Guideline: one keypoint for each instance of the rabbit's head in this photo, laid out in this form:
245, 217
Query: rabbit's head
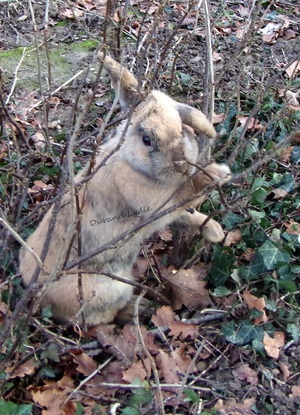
160, 141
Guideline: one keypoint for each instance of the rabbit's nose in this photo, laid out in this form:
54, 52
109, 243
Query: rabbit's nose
181, 166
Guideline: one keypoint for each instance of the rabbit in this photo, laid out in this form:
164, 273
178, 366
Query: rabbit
154, 169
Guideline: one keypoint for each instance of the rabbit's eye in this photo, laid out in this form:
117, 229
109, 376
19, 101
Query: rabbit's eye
146, 140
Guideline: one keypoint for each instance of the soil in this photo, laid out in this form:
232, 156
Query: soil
71, 45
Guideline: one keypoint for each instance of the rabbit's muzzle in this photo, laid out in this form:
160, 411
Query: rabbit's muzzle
181, 166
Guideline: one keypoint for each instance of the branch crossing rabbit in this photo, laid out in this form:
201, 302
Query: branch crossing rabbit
153, 167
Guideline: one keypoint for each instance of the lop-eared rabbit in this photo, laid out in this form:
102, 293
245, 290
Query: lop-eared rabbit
154, 169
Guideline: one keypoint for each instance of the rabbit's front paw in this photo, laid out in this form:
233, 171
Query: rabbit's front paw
212, 231
220, 173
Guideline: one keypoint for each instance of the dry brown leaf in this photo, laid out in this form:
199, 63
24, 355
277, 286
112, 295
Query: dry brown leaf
289, 34
130, 337
273, 345
244, 372
140, 267
167, 367
27, 368
285, 370
115, 344
145, 7
163, 317
233, 237
3, 150
279, 193
293, 69
166, 235
183, 330
292, 99
258, 303
270, 32
218, 118
85, 364
295, 391
188, 288
135, 371
293, 227
295, 138
248, 254
253, 124
53, 395
285, 154
112, 372
182, 359
4, 310
243, 11
216, 58
73, 13
231, 407
39, 140
40, 185
240, 33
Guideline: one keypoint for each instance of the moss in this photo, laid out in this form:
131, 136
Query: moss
65, 60
62, 23
11, 54
86, 45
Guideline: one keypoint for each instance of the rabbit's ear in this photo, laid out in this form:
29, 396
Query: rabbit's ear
123, 82
195, 119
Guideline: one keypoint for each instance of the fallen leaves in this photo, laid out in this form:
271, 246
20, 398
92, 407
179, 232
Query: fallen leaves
250, 124
244, 372
273, 30
165, 317
231, 407
295, 391
257, 303
85, 364
233, 237
27, 368
273, 345
292, 227
188, 288
293, 69
270, 32
138, 370
53, 397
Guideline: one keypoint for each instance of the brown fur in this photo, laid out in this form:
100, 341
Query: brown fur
136, 177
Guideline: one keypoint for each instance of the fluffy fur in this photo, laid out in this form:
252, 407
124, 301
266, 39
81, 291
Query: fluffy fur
151, 166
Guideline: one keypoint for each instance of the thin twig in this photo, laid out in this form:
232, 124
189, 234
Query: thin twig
160, 406
21, 241
84, 381
15, 76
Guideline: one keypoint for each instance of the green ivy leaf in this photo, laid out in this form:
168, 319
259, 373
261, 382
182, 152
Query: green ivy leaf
130, 410
259, 195
79, 409
288, 286
221, 269
272, 255
258, 183
242, 333
293, 330
191, 395
221, 292
10, 408
257, 215
288, 182
230, 220
255, 268
295, 155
